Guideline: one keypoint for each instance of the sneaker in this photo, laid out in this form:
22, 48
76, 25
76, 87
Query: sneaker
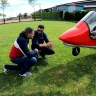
26, 74
5, 70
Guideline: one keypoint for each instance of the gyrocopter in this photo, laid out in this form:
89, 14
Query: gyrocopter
83, 34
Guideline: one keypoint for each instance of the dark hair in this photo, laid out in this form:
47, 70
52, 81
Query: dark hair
26, 31
41, 26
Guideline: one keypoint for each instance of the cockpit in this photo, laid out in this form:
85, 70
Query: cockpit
90, 20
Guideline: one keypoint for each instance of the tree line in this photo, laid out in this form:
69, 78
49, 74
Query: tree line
4, 4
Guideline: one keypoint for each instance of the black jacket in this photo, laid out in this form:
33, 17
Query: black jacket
39, 39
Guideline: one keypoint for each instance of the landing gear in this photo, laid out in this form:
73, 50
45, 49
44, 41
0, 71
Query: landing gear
75, 51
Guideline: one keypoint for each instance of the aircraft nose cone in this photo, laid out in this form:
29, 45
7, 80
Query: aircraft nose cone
78, 35
69, 35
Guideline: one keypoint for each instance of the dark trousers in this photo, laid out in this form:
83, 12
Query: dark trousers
23, 64
46, 51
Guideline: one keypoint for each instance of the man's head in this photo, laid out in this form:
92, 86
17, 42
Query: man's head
40, 29
29, 32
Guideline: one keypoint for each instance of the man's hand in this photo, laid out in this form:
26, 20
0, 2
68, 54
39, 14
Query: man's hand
49, 44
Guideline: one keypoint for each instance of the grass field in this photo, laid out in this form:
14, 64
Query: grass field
61, 74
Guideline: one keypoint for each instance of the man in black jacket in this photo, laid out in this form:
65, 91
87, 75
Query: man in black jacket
38, 42
21, 55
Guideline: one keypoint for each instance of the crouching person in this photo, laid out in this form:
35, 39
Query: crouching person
21, 55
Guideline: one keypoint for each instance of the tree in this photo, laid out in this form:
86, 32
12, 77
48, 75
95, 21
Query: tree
25, 15
33, 3
3, 4
2, 14
19, 16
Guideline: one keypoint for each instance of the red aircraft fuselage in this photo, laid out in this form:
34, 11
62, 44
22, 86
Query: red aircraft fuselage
78, 35
83, 34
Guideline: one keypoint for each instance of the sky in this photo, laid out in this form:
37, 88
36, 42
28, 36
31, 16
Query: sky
22, 6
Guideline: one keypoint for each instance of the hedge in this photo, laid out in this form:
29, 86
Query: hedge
75, 16
57, 15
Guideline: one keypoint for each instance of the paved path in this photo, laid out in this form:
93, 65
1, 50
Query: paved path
16, 21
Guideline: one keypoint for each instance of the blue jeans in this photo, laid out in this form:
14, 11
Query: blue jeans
23, 64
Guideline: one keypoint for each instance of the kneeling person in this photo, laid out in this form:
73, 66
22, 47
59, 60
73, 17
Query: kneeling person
38, 42
21, 55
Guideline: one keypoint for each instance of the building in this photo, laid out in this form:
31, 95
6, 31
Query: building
65, 7
73, 6
70, 7
89, 5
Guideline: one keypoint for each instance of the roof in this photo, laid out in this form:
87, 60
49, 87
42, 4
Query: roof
68, 4
77, 3
83, 1
89, 6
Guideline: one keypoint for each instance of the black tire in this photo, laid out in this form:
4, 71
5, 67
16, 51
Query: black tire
75, 51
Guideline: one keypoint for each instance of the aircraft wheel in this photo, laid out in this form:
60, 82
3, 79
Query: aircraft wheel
75, 51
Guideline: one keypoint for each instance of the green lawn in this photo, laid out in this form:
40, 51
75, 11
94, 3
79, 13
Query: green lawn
61, 74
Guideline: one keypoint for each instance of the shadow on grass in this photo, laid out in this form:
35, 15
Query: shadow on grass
45, 94
80, 72
10, 81
40, 62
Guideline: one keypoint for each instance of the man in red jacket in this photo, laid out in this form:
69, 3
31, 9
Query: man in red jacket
21, 55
